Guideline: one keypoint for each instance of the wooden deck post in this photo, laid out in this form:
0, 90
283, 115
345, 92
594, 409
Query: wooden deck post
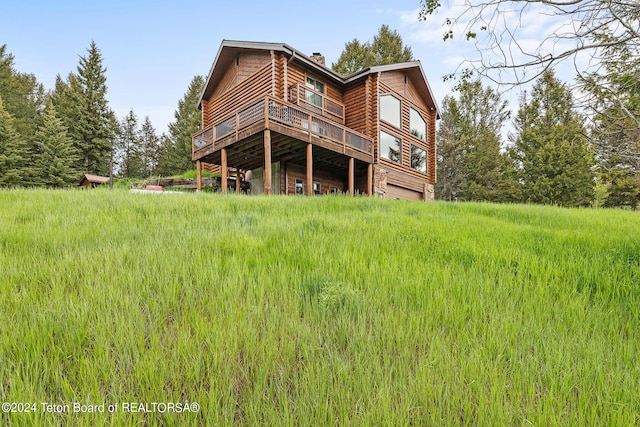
266, 174
223, 166
351, 175
369, 180
238, 186
309, 183
198, 175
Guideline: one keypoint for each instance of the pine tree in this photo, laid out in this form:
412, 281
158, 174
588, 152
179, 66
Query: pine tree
129, 148
22, 95
354, 57
551, 149
387, 48
82, 105
176, 147
150, 143
15, 155
57, 158
472, 165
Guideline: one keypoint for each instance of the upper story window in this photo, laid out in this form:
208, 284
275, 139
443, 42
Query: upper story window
318, 86
390, 109
418, 125
418, 159
390, 147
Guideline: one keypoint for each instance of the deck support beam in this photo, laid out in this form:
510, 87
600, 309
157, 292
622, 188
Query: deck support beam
351, 177
223, 167
266, 174
238, 187
369, 180
309, 183
198, 175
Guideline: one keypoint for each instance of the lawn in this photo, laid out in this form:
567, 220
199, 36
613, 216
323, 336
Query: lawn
203, 309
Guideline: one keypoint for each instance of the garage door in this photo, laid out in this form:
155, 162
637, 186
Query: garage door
395, 192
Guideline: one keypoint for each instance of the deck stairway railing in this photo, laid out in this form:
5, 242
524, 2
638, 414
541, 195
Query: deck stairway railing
313, 126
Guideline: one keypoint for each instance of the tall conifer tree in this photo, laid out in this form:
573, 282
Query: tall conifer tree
387, 48
15, 154
176, 147
551, 147
82, 104
57, 158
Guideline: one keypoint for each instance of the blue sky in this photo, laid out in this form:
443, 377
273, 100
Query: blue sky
152, 49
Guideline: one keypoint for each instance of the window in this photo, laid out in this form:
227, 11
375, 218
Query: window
418, 159
390, 147
317, 188
318, 86
418, 125
390, 109
299, 186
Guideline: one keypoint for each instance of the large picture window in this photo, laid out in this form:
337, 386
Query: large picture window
390, 109
418, 125
418, 159
390, 147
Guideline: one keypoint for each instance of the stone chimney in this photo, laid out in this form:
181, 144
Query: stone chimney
317, 56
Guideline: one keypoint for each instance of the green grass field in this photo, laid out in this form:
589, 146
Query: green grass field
315, 311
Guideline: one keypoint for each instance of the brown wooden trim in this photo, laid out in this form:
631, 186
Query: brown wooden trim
266, 174
223, 162
369, 180
309, 183
351, 175
198, 175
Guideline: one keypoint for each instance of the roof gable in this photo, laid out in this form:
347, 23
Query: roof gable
229, 50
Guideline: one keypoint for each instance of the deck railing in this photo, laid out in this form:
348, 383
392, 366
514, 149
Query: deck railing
285, 114
315, 101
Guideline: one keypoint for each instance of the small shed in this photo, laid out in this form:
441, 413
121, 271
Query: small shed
91, 181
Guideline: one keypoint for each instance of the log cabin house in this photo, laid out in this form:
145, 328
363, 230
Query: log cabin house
289, 125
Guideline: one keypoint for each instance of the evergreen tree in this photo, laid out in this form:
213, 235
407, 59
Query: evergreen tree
471, 163
22, 95
129, 148
82, 105
150, 144
57, 158
387, 48
354, 57
551, 149
176, 147
15, 155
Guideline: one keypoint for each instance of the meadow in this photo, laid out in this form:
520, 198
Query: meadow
314, 311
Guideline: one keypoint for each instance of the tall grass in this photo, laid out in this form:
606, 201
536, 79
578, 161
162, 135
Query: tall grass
317, 311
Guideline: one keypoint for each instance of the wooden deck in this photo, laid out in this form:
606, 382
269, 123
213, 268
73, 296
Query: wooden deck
293, 127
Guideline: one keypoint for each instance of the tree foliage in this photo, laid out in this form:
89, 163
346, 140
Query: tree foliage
82, 104
471, 164
128, 148
597, 28
387, 48
551, 148
56, 158
176, 147
15, 153
22, 95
